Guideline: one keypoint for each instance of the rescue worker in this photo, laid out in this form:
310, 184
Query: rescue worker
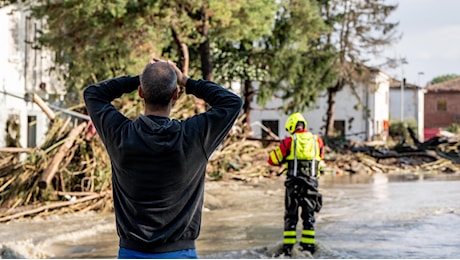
302, 152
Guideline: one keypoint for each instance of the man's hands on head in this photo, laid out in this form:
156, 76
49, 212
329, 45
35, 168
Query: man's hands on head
181, 77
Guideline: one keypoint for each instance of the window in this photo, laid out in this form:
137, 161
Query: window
456, 118
441, 105
270, 128
31, 131
339, 127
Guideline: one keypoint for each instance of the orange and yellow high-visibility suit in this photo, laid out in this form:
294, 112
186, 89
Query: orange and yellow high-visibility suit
302, 152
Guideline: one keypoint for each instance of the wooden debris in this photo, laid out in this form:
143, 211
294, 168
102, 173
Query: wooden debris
43, 106
14, 150
66, 166
51, 206
52, 169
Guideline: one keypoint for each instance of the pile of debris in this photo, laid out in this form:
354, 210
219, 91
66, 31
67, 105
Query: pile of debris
70, 172
440, 154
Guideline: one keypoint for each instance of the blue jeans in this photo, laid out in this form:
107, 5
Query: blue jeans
124, 253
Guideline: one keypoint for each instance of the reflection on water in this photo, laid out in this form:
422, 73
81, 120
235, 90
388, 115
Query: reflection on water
364, 216
380, 187
396, 216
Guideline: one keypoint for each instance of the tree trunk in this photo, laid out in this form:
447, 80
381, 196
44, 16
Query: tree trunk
184, 57
331, 102
205, 49
206, 61
200, 105
205, 55
248, 96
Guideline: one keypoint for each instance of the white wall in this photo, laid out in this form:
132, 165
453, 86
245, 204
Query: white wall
380, 106
22, 70
350, 107
412, 106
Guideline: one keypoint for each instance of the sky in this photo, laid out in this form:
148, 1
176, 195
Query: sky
430, 40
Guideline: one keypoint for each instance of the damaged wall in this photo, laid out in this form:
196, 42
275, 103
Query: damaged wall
25, 69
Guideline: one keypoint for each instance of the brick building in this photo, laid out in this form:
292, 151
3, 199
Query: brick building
442, 104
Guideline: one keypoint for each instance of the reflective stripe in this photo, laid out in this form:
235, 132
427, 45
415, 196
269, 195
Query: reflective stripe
295, 155
313, 161
273, 158
289, 241
290, 233
308, 232
308, 237
290, 237
276, 156
307, 240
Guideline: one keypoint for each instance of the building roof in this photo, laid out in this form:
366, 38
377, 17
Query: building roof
452, 85
397, 84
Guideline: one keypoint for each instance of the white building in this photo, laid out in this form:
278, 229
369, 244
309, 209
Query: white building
360, 113
25, 70
407, 104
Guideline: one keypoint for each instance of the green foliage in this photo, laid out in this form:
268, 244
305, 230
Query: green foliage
235, 63
99, 39
298, 66
96, 39
293, 56
240, 20
234, 30
398, 130
443, 78
454, 128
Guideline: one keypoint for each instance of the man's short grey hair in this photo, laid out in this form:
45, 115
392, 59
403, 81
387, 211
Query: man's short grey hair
158, 83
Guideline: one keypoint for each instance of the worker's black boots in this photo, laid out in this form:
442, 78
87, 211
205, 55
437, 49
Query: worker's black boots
287, 250
308, 247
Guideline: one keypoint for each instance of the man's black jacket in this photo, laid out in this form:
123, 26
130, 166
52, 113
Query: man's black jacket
159, 164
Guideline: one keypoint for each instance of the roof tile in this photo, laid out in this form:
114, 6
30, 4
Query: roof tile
452, 85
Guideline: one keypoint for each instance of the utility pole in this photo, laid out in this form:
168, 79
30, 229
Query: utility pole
403, 83
418, 77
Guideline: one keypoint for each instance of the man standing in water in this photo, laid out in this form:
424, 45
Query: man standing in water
302, 152
158, 163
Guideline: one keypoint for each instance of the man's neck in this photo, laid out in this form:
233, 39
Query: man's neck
163, 113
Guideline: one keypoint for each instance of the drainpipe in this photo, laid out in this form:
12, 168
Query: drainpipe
26, 52
365, 114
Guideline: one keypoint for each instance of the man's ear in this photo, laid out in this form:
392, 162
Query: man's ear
176, 94
139, 91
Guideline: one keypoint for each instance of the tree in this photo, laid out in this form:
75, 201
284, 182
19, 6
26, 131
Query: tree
443, 78
285, 61
359, 28
298, 66
218, 22
238, 63
97, 40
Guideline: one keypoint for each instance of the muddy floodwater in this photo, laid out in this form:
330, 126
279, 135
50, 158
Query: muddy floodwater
364, 216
